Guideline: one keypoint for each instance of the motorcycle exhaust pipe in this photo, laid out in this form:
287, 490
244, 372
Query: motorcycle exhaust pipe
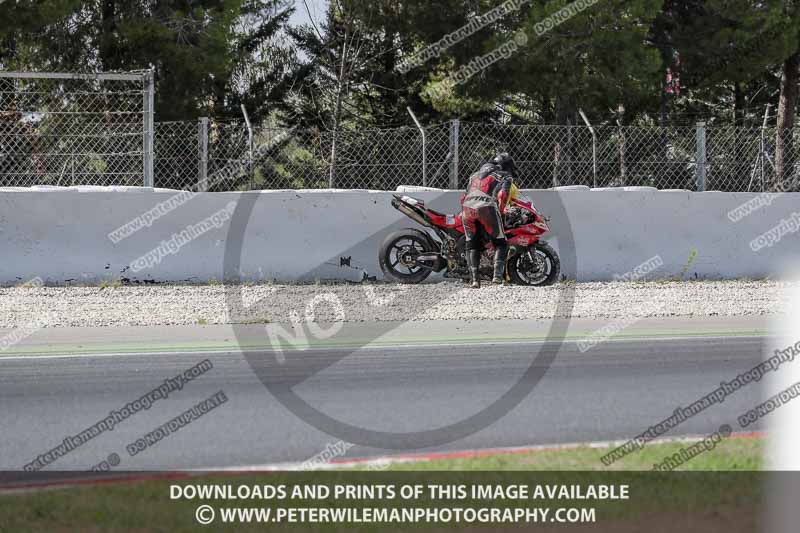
412, 214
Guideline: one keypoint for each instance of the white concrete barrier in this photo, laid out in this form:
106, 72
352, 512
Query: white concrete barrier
62, 235
614, 231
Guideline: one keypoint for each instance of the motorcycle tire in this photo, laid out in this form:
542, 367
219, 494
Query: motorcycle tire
520, 266
417, 242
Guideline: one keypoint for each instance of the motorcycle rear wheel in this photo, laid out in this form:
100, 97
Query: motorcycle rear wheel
397, 256
536, 266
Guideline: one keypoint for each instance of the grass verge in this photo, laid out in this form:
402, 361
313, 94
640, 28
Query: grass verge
734, 454
697, 496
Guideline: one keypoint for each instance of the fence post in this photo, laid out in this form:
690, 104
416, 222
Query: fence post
149, 126
455, 132
424, 147
622, 148
764, 149
701, 157
332, 172
594, 146
250, 166
202, 154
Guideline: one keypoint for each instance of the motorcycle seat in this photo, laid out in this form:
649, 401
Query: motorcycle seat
437, 213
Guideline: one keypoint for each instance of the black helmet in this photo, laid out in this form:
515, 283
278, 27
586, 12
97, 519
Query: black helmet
504, 161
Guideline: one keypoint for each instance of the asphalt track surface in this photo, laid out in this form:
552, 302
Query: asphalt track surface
613, 392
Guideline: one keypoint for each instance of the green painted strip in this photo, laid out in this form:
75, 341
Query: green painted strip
232, 346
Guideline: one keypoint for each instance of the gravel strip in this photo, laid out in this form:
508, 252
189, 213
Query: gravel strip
187, 305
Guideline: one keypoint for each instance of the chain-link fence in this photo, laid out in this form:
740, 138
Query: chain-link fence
552, 156
203, 155
695, 158
71, 129
350, 159
720, 158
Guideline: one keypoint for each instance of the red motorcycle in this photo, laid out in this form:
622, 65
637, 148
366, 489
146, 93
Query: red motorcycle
410, 255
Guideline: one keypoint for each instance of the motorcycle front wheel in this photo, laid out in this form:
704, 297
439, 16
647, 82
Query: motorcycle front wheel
536, 266
398, 256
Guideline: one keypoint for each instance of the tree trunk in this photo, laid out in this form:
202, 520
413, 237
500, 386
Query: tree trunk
107, 39
739, 104
337, 113
787, 107
563, 143
662, 120
10, 46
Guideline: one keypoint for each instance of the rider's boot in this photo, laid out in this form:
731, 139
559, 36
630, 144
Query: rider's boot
500, 256
474, 262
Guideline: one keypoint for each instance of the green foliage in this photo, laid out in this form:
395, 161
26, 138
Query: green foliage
209, 56
595, 59
689, 262
341, 73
